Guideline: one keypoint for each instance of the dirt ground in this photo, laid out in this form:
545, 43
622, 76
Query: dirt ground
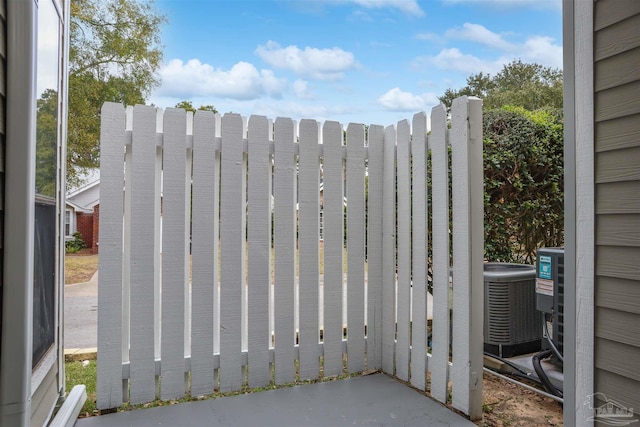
508, 405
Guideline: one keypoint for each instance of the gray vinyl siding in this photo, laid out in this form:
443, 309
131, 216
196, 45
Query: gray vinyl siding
3, 94
617, 199
624, 389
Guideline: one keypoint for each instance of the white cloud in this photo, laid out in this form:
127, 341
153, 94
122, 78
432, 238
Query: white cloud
479, 34
398, 100
301, 90
406, 6
360, 15
542, 50
535, 49
298, 111
432, 37
242, 81
454, 60
320, 64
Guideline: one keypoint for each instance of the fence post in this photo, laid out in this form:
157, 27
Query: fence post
468, 255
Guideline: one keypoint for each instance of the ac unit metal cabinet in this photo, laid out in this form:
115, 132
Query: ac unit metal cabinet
550, 289
512, 325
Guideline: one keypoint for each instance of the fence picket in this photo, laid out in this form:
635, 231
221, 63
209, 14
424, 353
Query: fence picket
188, 191
468, 250
419, 252
174, 273
157, 241
259, 250
126, 264
204, 258
333, 178
309, 184
374, 247
284, 242
143, 250
355, 247
112, 142
232, 251
389, 251
404, 251
440, 202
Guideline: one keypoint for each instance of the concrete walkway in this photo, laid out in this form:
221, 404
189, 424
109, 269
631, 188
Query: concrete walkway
375, 400
81, 314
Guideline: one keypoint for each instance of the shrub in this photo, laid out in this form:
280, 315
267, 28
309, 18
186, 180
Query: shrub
73, 246
523, 178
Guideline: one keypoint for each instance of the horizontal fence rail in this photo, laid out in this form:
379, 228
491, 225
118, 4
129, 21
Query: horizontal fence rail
241, 253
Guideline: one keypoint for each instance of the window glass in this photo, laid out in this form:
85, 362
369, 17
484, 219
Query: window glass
67, 223
47, 149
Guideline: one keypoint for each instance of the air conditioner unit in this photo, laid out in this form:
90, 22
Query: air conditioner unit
550, 291
512, 325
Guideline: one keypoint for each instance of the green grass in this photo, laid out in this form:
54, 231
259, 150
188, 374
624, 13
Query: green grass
75, 373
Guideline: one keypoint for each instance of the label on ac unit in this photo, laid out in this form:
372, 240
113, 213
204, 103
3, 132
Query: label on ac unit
544, 286
544, 267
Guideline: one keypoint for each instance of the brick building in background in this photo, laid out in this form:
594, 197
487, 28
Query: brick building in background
83, 210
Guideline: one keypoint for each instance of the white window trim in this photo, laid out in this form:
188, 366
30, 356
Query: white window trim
72, 223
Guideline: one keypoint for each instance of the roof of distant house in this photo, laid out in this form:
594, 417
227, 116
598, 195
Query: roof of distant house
88, 179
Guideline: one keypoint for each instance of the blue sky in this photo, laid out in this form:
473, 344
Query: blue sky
363, 61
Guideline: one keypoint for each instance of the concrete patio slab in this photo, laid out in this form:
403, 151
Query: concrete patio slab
374, 400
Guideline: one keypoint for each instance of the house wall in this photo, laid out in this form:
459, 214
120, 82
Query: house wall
88, 198
84, 226
617, 200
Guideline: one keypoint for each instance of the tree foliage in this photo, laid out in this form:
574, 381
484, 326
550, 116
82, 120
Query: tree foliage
523, 158
46, 143
115, 54
523, 180
530, 86
188, 106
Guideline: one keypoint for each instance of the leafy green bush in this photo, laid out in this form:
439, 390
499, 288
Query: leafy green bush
523, 171
73, 246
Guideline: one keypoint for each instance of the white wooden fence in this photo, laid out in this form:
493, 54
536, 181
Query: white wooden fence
258, 302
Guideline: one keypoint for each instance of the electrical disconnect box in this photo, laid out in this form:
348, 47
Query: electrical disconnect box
550, 290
